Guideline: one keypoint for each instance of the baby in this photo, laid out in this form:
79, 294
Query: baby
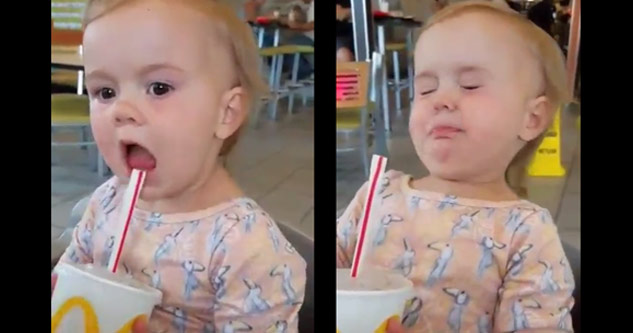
170, 84
487, 84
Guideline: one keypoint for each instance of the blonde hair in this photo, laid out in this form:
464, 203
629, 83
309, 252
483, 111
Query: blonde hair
233, 31
543, 47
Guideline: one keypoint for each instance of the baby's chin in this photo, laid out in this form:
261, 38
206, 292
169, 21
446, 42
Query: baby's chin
447, 170
454, 175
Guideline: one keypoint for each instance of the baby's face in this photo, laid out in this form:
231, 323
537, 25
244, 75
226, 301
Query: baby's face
156, 93
474, 81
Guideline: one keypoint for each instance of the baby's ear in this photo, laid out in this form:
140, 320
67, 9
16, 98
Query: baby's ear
233, 111
537, 118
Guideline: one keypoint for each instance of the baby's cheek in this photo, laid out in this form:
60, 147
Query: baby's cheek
100, 127
417, 124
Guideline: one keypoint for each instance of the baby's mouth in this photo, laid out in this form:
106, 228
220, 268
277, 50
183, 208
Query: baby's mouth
138, 157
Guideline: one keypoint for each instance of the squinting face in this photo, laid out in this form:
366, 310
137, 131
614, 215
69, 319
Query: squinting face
155, 93
474, 81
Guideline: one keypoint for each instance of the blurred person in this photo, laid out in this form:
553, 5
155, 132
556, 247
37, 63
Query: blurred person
542, 14
344, 31
514, 5
301, 21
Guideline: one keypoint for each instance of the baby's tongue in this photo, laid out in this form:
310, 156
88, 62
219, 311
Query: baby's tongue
139, 158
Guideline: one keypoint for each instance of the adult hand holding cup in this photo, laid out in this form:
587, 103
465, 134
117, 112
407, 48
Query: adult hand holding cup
394, 326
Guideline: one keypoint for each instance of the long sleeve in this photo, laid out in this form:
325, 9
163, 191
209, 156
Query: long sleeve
80, 248
536, 294
346, 229
258, 278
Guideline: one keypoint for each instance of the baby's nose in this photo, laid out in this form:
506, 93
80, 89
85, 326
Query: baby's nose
126, 113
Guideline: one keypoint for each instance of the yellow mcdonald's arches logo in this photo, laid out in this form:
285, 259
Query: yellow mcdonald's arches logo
383, 327
91, 324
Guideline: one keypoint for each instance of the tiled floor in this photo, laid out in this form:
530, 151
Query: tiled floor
272, 162
560, 195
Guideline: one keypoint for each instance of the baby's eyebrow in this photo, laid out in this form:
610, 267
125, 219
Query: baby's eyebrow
466, 69
98, 74
472, 69
145, 70
425, 75
158, 66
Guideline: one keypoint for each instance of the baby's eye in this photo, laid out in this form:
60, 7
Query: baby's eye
426, 92
104, 93
470, 87
159, 88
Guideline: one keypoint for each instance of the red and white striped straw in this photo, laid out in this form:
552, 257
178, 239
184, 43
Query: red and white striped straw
125, 215
378, 164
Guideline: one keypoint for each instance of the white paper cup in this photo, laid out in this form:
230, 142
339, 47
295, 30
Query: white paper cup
366, 304
92, 300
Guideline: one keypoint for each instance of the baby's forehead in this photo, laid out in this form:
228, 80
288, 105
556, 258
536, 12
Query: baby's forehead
162, 31
494, 25
481, 39
478, 31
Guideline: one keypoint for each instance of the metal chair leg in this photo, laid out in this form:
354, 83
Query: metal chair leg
52, 140
364, 142
293, 82
384, 99
273, 70
396, 79
276, 85
93, 158
84, 136
410, 63
101, 167
295, 68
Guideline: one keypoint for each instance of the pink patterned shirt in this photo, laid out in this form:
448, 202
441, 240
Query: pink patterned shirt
477, 266
223, 269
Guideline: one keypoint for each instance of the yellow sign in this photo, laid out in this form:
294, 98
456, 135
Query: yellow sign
91, 324
546, 161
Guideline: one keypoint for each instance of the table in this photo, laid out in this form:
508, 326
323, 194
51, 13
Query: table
277, 25
69, 57
66, 57
390, 21
261, 28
